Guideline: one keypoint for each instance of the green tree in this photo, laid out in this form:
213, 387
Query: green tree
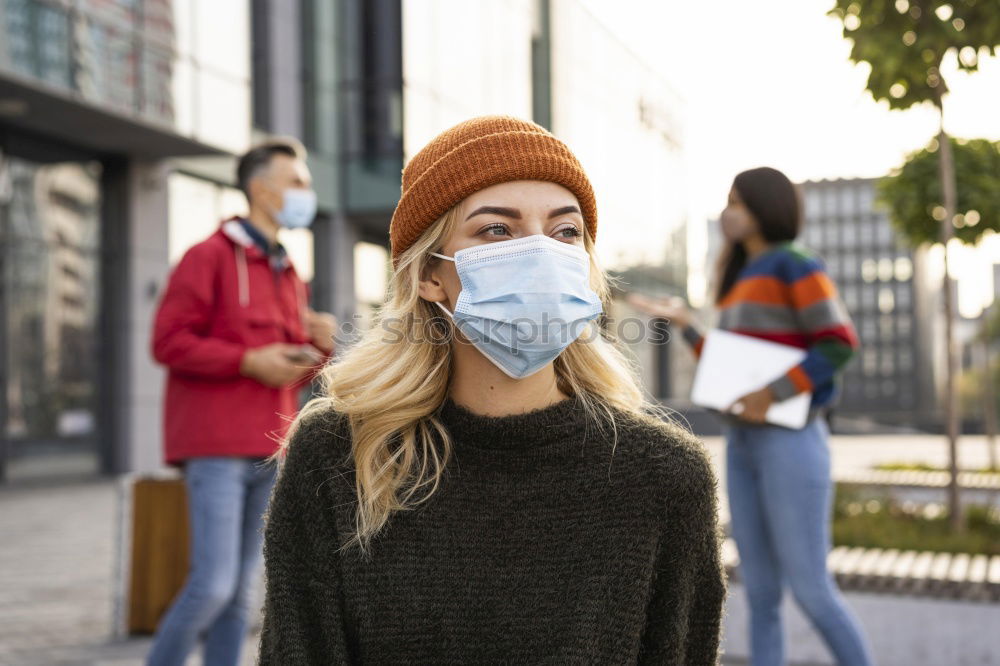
913, 195
905, 42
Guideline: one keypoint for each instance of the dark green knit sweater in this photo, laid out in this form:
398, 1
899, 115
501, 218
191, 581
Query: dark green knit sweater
542, 545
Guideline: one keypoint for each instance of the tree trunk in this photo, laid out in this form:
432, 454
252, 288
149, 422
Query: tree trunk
989, 397
947, 171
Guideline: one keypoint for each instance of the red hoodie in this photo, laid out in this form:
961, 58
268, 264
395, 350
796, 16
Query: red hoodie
222, 299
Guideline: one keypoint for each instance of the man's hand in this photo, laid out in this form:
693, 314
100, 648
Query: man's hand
753, 406
273, 365
321, 327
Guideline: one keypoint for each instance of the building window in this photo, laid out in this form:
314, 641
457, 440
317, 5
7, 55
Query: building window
885, 269
196, 208
260, 48
371, 265
813, 204
903, 296
850, 294
885, 328
157, 79
372, 270
811, 233
847, 199
850, 267
886, 300
108, 55
904, 325
850, 235
886, 234
868, 298
868, 330
373, 83
163, 60
829, 202
833, 267
38, 38
866, 198
869, 361
869, 270
888, 365
866, 232
51, 299
832, 235
903, 268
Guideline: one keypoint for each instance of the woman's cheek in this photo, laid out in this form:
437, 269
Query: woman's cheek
733, 228
456, 288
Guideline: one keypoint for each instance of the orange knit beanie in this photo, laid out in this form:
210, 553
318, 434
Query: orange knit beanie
474, 155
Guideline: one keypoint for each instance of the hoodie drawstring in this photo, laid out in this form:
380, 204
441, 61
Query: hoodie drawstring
300, 290
242, 275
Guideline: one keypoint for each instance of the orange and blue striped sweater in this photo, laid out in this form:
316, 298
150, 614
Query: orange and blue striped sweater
785, 295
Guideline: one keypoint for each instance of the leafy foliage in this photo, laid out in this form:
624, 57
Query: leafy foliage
915, 202
869, 522
905, 40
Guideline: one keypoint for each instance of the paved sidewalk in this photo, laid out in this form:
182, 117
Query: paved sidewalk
56, 579
55, 567
130, 652
57, 555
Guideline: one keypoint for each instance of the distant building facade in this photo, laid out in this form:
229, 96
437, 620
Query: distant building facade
888, 291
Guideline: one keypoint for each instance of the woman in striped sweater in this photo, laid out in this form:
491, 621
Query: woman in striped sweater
778, 479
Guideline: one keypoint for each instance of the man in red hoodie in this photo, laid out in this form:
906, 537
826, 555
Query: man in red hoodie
236, 333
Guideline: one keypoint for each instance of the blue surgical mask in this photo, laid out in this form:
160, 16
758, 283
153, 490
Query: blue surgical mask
523, 301
298, 209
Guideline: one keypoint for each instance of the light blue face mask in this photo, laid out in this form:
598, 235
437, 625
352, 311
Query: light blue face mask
298, 209
523, 301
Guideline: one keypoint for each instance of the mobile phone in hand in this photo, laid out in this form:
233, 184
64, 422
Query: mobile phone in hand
305, 354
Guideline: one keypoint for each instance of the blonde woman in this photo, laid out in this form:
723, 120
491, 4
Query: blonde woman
483, 480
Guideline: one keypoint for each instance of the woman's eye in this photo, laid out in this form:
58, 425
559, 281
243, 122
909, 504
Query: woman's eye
569, 232
495, 230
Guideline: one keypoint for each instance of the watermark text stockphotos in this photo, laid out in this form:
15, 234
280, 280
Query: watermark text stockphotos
517, 333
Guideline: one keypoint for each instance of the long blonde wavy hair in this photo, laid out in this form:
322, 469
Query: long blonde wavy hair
391, 395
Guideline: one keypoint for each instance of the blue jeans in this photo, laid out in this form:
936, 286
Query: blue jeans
227, 497
780, 494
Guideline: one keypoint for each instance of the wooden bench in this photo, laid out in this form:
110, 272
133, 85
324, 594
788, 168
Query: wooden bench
907, 572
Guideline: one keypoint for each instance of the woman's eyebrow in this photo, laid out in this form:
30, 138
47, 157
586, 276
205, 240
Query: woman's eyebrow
496, 210
565, 210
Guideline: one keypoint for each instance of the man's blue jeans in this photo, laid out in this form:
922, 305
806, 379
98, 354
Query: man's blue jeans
780, 494
227, 497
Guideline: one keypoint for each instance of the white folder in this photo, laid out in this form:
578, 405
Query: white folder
732, 365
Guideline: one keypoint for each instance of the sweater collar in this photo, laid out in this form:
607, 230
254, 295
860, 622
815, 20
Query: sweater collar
774, 249
565, 420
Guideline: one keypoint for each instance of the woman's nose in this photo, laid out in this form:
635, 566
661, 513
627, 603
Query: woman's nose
531, 227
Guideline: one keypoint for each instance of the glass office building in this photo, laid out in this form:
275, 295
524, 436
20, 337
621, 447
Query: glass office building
95, 97
120, 121
894, 306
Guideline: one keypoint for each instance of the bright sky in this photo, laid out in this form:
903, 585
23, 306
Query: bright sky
770, 83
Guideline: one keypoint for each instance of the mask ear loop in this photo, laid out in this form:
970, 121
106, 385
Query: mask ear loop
450, 315
438, 303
